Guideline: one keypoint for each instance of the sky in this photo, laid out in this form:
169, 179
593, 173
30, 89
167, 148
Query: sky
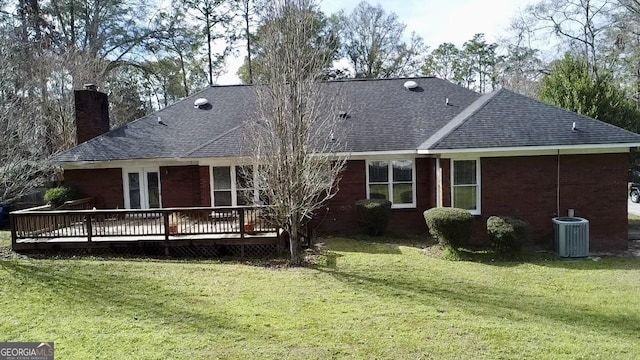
436, 21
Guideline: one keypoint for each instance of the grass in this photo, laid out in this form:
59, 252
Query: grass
634, 220
360, 300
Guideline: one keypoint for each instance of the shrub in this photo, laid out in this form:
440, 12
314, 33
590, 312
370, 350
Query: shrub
373, 215
451, 226
507, 235
58, 195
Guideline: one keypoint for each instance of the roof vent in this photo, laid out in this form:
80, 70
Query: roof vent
410, 85
343, 114
200, 102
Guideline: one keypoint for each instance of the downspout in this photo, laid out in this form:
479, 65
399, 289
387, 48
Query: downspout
558, 185
438, 183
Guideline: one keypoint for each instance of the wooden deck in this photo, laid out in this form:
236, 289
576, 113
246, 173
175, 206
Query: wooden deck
42, 229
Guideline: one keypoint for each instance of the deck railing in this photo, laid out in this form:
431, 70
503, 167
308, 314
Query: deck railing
80, 204
39, 224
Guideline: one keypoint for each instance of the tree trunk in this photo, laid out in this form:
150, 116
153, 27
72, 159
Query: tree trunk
208, 29
184, 76
248, 35
294, 244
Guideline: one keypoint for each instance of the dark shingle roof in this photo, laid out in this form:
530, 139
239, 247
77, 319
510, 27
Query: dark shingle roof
506, 119
383, 116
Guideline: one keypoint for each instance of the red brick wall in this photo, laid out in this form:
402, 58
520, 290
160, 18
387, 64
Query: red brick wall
180, 186
340, 212
593, 185
205, 186
104, 185
92, 114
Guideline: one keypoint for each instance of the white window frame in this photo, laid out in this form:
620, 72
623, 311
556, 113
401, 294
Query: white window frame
234, 185
477, 210
389, 162
144, 186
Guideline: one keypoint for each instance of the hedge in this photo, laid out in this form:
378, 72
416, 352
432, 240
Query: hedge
507, 234
373, 215
59, 195
450, 226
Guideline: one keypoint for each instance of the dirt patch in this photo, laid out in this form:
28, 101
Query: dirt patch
633, 250
7, 254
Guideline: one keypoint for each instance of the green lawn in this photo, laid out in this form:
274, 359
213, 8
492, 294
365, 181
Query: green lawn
362, 301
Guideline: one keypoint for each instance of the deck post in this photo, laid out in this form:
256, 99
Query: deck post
165, 216
14, 232
281, 243
87, 220
241, 220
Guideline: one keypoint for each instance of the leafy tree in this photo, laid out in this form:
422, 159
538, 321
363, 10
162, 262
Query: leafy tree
126, 96
180, 45
475, 66
373, 42
521, 70
443, 62
479, 63
214, 17
113, 30
247, 9
572, 86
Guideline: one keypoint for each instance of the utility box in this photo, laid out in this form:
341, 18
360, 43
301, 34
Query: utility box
571, 237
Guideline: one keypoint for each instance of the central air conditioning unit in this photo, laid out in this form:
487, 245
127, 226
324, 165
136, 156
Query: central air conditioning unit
571, 237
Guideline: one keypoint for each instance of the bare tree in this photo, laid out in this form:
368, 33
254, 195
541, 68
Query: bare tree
373, 41
294, 136
580, 24
21, 142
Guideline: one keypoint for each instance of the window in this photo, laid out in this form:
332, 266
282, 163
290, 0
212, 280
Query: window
141, 188
222, 186
235, 186
392, 180
466, 185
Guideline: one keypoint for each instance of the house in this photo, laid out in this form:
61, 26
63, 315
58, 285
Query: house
421, 143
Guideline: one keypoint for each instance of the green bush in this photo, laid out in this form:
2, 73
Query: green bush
450, 226
58, 195
373, 215
507, 235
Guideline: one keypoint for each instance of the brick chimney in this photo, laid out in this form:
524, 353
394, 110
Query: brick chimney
92, 113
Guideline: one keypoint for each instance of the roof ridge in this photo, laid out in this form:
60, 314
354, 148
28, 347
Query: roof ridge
212, 140
459, 119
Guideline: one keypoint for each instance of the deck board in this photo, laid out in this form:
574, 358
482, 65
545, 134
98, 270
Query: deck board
163, 228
